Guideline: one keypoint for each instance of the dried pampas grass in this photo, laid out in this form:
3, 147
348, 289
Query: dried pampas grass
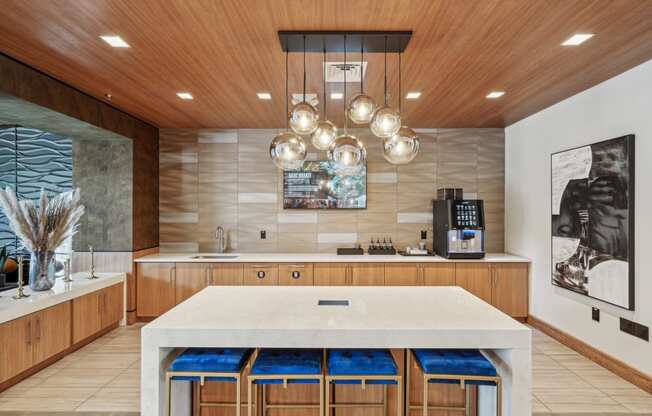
46, 226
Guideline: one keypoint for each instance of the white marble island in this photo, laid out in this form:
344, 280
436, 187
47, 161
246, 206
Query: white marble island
377, 317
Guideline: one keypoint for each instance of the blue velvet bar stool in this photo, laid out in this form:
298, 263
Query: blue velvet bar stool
286, 366
363, 367
208, 364
452, 366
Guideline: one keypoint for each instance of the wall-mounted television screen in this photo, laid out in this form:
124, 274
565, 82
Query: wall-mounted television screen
317, 186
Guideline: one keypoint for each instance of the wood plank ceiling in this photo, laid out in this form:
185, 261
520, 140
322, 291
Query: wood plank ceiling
223, 52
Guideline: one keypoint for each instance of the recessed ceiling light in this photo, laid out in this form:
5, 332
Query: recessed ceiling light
577, 39
264, 96
185, 95
413, 95
336, 95
115, 41
495, 94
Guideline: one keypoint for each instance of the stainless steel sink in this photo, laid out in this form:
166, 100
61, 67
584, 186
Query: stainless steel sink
216, 256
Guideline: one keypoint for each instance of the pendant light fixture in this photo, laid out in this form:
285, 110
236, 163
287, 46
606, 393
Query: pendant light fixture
362, 107
304, 117
326, 131
386, 121
346, 153
287, 150
402, 147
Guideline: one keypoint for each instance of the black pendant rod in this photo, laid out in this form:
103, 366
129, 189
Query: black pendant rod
287, 109
400, 97
323, 62
385, 71
362, 66
344, 100
304, 67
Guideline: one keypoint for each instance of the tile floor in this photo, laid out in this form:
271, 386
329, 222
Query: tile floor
104, 377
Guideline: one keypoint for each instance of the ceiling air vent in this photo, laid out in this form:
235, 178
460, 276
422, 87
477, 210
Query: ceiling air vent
335, 71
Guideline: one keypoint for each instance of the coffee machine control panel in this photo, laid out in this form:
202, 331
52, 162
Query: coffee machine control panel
467, 214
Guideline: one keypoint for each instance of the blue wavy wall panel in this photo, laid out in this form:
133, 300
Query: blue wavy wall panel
31, 160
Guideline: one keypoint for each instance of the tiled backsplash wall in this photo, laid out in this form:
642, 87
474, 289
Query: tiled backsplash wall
211, 177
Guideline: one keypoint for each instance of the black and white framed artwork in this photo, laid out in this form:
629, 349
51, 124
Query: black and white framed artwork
593, 220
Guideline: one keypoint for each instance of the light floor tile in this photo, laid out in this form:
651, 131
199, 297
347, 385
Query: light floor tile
586, 408
602, 378
48, 391
637, 404
575, 362
557, 379
576, 396
78, 377
50, 405
104, 360
539, 408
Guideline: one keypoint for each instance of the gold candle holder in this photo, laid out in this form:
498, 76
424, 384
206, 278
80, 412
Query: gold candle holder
21, 291
92, 271
66, 271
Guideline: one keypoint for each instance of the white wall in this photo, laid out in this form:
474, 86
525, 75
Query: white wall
619, 106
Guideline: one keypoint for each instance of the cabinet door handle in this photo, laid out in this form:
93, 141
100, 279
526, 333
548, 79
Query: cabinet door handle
38, 330
297, 266
260, 274
29, 333
296, 274
171, 272
259, 266
208, 277
99, 304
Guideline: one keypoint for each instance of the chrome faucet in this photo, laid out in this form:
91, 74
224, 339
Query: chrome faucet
221, 239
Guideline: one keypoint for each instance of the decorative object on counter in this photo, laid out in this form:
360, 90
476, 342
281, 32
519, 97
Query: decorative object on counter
350, 251
402, 147
347, 154
414, 251
91, 273
66, 271
304, 118
450, 193
3, 259
21, 291
42, 229
593, 220
288, 149
384, 248
326, 130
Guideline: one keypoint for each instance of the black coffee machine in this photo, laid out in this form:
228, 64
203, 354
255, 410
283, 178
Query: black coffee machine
459, 228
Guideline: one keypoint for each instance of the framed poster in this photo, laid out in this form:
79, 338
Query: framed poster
593, 220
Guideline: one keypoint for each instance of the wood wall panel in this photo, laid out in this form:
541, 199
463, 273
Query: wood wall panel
225, 177
30, 85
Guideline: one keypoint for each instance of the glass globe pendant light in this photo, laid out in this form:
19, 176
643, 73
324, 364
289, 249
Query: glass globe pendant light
402, 147
386, 121
326, 131
304, 117
346, 153
362, 107
287, 150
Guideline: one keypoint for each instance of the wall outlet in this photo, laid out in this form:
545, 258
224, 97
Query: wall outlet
263, 234
424, 234
595, 314
634, 328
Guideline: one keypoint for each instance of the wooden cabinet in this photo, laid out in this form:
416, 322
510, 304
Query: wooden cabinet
16, 338
475, 278
190, 278
367, 274
32, 339
96, 311
438, 274
227, 274
510, 288
299, 274
155, 289
331, 274
402, 274
261, 274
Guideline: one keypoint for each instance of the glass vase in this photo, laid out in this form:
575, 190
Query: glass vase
41, 270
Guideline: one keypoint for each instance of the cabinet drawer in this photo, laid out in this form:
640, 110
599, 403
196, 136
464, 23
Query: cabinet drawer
331, 274
261, 274
298, 274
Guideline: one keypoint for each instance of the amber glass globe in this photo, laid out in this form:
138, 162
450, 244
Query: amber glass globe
324, 135
386, 122
288, 151
402, 147
361, 109
347, 155
304, 118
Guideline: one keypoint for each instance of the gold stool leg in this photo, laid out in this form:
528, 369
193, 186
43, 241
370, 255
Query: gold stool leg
499, 398
249, 393
168, 395
408, 365
237, 396
385, 399
467, 401
425, 396
321, 397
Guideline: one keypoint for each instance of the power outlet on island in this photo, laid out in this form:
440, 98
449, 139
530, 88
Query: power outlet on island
595, 314
263, 234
